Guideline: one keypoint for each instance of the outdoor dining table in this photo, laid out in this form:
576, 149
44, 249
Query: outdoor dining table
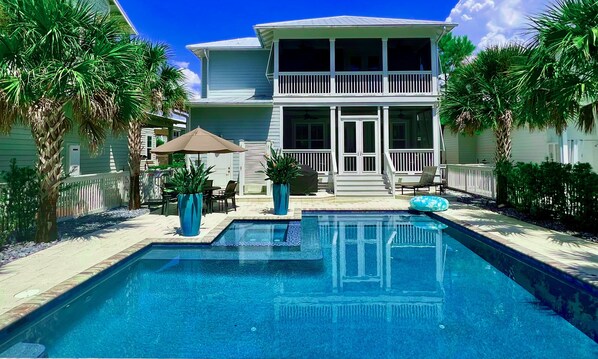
209, 193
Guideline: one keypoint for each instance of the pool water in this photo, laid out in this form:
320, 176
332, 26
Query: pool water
385, 285
259, 233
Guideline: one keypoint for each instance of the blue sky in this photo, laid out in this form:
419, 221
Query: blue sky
183, 22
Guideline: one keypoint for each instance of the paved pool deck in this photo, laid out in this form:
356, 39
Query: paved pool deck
29, 282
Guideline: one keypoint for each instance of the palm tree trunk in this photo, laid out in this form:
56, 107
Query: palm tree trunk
503, 156
134, 138
48, 132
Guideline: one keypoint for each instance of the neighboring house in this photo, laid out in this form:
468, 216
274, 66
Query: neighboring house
113, 156
160, 129
571, 146
355, 98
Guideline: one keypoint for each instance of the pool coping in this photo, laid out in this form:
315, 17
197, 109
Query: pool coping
15, 314
546, 264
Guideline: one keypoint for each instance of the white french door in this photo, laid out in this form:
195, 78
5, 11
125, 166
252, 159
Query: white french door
359, 143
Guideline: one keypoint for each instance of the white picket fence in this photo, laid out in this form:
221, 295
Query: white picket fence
476, 179
93, 193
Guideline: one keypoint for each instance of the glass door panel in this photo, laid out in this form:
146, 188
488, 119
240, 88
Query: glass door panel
360, 142
369, 143
350, 152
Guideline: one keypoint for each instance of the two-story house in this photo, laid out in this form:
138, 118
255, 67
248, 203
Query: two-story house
355, 98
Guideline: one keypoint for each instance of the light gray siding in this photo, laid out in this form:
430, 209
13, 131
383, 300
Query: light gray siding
113, 156
239, 123
486, 147
529, 146
238, 74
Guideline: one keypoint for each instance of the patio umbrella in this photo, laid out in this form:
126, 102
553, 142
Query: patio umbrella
198, 141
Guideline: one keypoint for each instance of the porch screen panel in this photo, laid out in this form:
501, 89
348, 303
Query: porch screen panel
369, 146
350, 146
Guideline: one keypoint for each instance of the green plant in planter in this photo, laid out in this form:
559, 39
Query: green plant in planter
191, 180
281, 170
189, 184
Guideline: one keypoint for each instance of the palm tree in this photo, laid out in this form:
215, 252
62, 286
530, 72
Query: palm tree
62, 67
480, 96
559, 82
163, 90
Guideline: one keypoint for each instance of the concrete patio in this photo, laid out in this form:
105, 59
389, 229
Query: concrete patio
27, 282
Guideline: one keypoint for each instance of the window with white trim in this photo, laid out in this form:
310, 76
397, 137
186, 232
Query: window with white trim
309, 135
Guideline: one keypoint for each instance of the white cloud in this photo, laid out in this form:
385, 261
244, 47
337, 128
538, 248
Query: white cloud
192, 79
492, 22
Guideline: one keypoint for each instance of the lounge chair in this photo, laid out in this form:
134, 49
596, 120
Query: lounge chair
425, 181
229, 193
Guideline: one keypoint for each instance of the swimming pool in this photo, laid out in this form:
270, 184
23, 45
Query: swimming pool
384, 285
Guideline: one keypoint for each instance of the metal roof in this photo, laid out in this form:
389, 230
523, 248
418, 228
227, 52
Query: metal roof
265, 31
351, 21
247, 43
231, 101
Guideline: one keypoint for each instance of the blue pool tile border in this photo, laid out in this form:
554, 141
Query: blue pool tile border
519, 255
292, 236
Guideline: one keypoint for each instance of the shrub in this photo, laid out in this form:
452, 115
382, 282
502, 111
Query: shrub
280, 168
191, 180
19, 201
564, 192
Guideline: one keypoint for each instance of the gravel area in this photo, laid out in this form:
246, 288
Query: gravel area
69, 230
511, 212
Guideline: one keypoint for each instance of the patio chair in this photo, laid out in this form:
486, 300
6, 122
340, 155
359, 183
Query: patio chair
229, 193
426, 180
169, 195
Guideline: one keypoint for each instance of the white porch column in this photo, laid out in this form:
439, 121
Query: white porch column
385, 89
386, 128
276, 66
332, 66
565, 147
436, 134
333, 130
435, 67
281, 139
242, 169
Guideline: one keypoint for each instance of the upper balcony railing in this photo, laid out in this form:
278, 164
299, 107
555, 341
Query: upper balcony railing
355, 83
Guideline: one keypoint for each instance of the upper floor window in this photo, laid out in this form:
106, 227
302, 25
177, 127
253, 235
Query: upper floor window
409, 55
304, 55
358, 55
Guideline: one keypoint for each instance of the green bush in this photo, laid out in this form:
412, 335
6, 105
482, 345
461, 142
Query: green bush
19, 201
564, 192
279, 167
165, 167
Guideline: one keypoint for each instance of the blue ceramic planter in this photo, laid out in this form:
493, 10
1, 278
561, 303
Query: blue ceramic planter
190, 213
280, 194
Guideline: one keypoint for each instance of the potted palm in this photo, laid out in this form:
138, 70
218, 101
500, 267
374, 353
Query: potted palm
188, 183
280, 169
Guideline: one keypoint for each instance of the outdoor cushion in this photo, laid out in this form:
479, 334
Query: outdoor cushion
429, 204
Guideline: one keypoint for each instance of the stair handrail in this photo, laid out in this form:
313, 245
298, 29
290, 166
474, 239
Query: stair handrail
334, 171
390, 172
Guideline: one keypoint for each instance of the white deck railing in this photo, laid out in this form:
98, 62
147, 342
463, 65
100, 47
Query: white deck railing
390, 171
410, 82
93, 193
319, 160
411, 160
475, 179
354, 83
298, 83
